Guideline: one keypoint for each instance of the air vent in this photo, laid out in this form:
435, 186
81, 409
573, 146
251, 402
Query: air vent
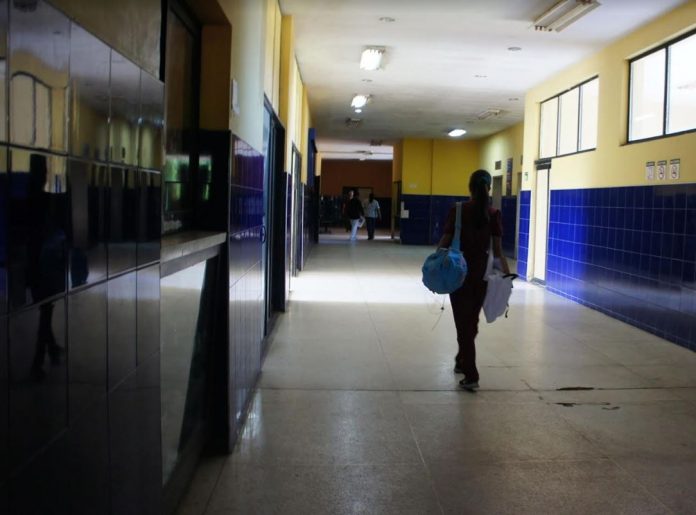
488, 113
376, 142
353, 123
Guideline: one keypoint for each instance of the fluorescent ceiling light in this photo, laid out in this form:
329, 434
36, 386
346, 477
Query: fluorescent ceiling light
455, 133
371, 58
563, 13
488, 113
359, 101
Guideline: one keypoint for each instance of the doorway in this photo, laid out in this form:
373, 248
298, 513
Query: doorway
541, 224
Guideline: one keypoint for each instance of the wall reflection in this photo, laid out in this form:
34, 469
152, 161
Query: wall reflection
186, 317
39, 57
37, 251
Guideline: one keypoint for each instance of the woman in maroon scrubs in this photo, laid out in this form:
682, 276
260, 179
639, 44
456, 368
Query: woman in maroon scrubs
481, 224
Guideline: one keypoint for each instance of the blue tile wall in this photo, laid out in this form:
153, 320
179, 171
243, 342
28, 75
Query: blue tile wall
246, 308
523, 236
508, 209
427, 214
630, 253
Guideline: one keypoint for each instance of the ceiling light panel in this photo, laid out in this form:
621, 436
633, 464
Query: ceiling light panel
371, 58
359, 101
455, 133
564, 13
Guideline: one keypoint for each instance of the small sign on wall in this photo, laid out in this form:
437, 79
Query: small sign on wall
661, 170
650, 170
674, 166
234, 97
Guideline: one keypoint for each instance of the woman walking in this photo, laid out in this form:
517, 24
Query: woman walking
481, 231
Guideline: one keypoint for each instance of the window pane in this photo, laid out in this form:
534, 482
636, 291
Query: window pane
43, 116
647, 96
682, 86
548, 127
589, 106
568, 141
22, 110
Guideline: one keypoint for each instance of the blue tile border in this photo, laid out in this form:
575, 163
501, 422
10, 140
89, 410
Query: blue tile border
523, 235
629, 252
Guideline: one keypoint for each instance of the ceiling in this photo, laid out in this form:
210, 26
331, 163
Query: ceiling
434, 52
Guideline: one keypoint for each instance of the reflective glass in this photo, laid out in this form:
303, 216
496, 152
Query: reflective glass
548, 128
682, 86
647, 96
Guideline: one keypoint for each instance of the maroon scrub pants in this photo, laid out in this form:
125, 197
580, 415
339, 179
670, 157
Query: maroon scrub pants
467, 302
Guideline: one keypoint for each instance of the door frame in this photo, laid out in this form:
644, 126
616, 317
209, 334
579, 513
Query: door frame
541, 220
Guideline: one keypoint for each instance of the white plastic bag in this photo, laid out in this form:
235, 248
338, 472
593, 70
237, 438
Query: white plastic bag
497, 295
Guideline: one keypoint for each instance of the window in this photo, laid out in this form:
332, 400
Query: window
663, 91
569, 121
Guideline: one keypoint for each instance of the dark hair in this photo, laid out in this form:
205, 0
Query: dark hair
479, 184
372, 197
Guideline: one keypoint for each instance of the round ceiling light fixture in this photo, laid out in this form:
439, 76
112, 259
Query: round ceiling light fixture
514, 48
480, 76
387, 19
455, 133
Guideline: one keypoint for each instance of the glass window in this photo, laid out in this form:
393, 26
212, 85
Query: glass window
568, 128
548, 128
682, 86
589, 108
647, 96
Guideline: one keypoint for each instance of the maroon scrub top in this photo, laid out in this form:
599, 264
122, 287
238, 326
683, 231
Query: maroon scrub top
475, 242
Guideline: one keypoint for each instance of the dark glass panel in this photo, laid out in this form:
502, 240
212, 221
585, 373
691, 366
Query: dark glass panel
149, 217
126, 474
71, 476
39, 57
122, 220
89, 79
4, 393
125, 110
38, 396
148, 324
150, 453
134, 411
4, 187
87, 330
3, 70
152, 122
122, 330
87, 222
37, 228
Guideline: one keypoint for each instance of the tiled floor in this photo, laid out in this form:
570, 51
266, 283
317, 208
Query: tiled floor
358, 409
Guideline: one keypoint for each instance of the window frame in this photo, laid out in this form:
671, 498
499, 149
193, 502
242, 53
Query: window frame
577, 86
665, 106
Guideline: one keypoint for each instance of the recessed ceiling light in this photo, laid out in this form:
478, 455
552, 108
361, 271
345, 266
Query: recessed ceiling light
455, 133
514, 48
371, 58
481, 76
358, 110
359, 101
387, 19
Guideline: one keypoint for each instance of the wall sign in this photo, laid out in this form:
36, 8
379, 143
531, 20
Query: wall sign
650, 170
661, 170
674, 166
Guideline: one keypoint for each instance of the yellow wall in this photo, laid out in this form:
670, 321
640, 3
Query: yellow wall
436, 167
453, 162
614, 163
272, 59
248, 20
416, 168
500, 147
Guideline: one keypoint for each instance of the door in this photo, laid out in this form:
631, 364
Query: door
497, 192
541, 224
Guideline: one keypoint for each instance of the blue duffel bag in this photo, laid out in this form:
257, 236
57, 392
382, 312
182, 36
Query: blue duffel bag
444, 270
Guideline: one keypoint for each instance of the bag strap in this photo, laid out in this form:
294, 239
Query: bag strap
456, 244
